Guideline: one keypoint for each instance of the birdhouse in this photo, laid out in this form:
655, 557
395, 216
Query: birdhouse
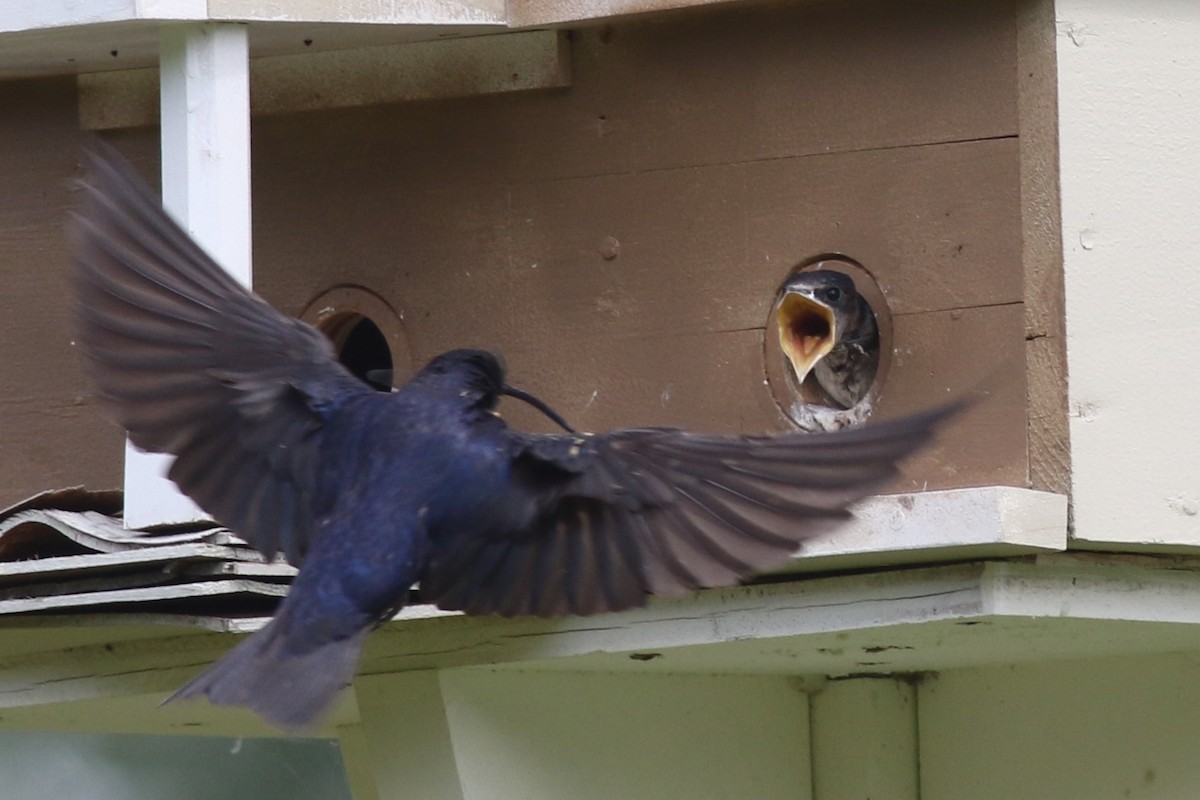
739, 217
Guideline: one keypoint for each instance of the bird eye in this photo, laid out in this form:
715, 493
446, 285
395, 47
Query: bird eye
833, 294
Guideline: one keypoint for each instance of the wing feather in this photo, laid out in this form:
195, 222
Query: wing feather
194, 365
632, 512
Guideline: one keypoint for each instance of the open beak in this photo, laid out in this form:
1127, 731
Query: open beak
807, 332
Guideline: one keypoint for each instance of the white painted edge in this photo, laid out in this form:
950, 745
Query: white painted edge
986, 521
186, 624
514, 62
35, 15
78, 600
135, 667
72, 567
1066, 586
995, 591
104, 534
942, 525
900, 600
38, 15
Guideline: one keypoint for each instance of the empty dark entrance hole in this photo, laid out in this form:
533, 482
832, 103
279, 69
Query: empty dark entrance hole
362, 348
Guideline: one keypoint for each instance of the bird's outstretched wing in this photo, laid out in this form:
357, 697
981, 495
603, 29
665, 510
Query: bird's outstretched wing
193, 364
616, 516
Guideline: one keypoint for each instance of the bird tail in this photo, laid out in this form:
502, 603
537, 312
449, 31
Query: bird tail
267, 674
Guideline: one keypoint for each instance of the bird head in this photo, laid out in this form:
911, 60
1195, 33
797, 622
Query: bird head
477, 376
474, 375
813, 313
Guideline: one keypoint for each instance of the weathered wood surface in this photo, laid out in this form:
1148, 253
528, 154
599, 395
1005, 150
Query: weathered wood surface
620, 241
82, 561
51, 431
1042, 251
94, 532
181, 561
363, 76
145, 596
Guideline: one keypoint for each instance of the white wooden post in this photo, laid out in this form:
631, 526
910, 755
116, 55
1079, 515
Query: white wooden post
864, 740
205, 114
1129, 134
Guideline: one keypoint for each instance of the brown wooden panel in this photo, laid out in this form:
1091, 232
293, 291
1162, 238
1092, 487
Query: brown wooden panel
50, 442
945, 354
51, 433
710, 86
716, 381
703, 249
939, 227
647, 254
621, 241
746, 83
706, 382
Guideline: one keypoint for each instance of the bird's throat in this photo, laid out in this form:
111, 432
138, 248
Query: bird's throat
807, 332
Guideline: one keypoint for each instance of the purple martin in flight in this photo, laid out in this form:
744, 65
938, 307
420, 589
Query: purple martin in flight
367, 492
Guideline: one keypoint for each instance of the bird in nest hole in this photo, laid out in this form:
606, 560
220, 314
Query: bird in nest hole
827, 328
367, 492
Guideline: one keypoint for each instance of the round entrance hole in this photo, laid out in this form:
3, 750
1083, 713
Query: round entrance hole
367, 334
362, 349
828, 343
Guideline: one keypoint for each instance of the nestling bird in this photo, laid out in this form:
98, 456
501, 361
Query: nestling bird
827, 328
368, 492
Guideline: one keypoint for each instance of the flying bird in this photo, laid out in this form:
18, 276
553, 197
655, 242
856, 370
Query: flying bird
368, 492
827, 328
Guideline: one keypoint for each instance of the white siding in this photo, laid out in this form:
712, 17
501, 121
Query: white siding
1129, 112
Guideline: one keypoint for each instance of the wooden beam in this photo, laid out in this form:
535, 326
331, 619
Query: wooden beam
36, 15
940, 526
1041, 246
100, 596
479, 65
205, 113
879, 623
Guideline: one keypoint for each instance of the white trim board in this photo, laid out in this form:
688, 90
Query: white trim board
902, 621
393, 73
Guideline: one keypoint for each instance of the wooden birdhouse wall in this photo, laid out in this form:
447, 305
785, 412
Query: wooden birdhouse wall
620, 240
52, 433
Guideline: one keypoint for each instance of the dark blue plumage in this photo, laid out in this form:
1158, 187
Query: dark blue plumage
368, 492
